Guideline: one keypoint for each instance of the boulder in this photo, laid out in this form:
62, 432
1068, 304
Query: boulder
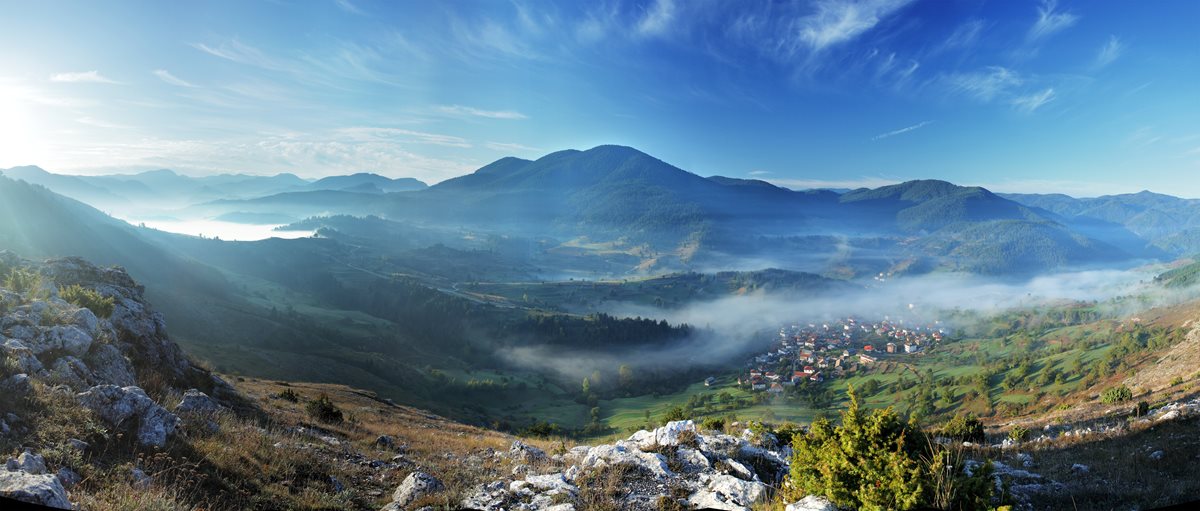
72, 372
69, 338
17, 386
68, 477
116, 405
605, 455
39, 489
811, 503
551, 482
668, 435
29, 463
739, 470
140, 478
1080, 468
642, 439
16, 350
86, 320
672, 432
198, 403
415, 486
520, 451
21, 329
385, 442
488, 497
720, 446
727, 492
109, 366
691, 459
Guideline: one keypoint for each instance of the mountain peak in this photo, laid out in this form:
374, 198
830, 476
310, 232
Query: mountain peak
159, 173
918, 190
25, 170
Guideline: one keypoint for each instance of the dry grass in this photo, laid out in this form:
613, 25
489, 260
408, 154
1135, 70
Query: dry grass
256, 459
1121, 470
439, 446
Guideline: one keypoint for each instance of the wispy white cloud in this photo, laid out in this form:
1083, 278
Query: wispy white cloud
377, 133
81, 77
484, 41
964, 36
838, 21
308, 154
986, 84
167, 77
510, 147
91, 121
348, 6
758, 173
902, 131
1028, 103
476, 112
657, 19
1142, 137
237, 51
1112, 49
1050, 20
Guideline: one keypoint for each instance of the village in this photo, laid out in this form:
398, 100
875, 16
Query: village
812, 353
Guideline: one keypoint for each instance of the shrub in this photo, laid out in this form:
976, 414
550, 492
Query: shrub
674, 414
26, 282
876, 461
1018, 434
323, 409
713, 424
289, 395
1141, 409
1118, 394
1176, 380
100, 305
963, 427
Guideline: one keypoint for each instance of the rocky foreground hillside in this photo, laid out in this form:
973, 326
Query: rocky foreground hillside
100, 410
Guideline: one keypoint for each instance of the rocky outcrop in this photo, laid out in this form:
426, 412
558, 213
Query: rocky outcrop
523, 452
415, 487
197, 403
122, 406
25, 479
811, 503
670, 434
712, 470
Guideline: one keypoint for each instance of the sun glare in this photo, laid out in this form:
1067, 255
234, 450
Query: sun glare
19, 140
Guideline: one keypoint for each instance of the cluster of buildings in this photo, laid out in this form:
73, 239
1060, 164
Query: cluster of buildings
814, 352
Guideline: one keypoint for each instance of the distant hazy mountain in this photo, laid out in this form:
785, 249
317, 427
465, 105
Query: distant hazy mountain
39, 223
681, 220
1161, 224
367, 182
76, 187
930, 205
151, 192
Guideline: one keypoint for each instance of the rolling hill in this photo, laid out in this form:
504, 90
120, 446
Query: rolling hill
681, 221
1162, 225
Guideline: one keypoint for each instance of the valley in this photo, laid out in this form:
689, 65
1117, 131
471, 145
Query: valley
630, 255
497, 322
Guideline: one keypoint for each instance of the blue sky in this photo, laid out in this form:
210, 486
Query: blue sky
1078, 97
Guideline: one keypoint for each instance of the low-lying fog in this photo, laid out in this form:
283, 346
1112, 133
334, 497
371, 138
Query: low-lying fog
731, 327
230, 231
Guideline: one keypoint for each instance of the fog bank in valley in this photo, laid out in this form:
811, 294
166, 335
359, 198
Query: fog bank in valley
729, 328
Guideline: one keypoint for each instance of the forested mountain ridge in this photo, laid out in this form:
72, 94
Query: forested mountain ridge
668, 219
